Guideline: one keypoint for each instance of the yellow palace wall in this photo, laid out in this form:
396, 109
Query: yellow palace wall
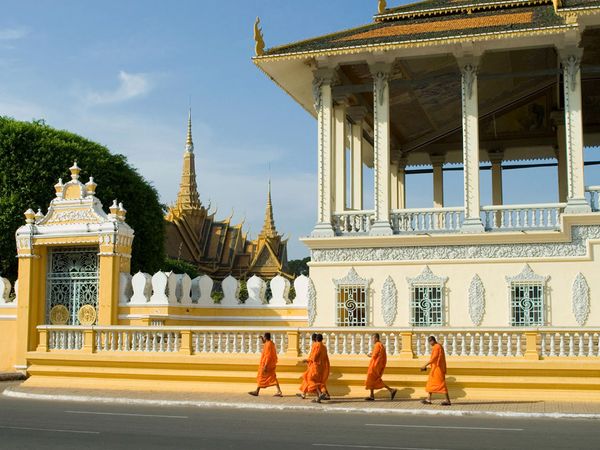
8, 332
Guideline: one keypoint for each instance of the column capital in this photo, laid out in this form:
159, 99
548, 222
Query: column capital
438, 159
357, 113
326, 75
496, 156
468, 59
378, 68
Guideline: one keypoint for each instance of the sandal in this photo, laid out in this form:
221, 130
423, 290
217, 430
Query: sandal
445, 403
253, 393
302, 396
426, 402
394, 392
370, 399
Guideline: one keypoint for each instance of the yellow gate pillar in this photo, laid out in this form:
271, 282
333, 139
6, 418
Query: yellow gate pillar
75, 224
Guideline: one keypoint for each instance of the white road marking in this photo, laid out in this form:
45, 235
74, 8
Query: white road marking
98, 413
49, 429
373, 447
441, 427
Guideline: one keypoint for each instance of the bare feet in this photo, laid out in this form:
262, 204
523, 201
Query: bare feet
302, 396
278, 394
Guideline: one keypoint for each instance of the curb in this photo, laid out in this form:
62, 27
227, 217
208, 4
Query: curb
11, 376
316, 408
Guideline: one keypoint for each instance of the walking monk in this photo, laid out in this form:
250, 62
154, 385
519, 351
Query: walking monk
326, 369
308, 361
436, 382
376, 368
266, 369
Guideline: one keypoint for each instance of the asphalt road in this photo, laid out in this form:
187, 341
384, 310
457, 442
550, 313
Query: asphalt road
31, 424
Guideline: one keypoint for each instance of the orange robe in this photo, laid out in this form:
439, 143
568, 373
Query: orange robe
304, 385
436, 383
327, 366
376, 367
317, 369
268, 362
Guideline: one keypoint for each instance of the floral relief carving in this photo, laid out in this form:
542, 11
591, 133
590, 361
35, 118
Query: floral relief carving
581, 299
389, 301
312, 303
476, 300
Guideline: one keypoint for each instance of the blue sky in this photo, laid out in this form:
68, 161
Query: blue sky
122, 72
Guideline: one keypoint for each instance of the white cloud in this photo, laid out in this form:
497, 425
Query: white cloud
13, 34
131, 85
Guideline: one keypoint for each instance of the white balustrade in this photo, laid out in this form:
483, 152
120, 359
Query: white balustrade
184, 288
231, 291
481, 343
204, 287
427, 220
522, 217
570, 343
130, 339
348, 341
125, 287
256, 291
351, 222
594, 197
164, 286
141, 284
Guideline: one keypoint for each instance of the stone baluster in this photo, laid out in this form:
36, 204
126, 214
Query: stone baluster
231, 291
280, 289
256, 291
184, 288
205, 285
141, 284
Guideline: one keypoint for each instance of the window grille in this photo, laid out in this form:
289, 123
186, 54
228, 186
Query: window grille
352, 300
72, 280
427, 299
527, 292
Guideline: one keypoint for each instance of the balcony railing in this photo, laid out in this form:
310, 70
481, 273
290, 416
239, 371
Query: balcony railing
522, 217
353, 222
356, 341
594, 197
427, 220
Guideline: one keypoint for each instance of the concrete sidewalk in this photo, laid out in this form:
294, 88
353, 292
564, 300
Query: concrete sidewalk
292, 403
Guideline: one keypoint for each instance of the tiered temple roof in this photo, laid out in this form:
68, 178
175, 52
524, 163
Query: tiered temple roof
218, 247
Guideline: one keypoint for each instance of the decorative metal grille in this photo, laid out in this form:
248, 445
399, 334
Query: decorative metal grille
426, 306
351, 306
72, 280
527, 304
352, 300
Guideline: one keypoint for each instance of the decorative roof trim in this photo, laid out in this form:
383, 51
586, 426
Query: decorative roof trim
352, 279
468, 8
492, 35
527, 275
426, 277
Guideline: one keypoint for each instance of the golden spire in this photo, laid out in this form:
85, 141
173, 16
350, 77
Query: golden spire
189, 144
188, 197
259, 41
381, 7
269, 229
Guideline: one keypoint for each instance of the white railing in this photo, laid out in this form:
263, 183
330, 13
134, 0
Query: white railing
594, 197
351, 222
570, 343
522, 217
351, 341
427, 220
68, 338
482, 343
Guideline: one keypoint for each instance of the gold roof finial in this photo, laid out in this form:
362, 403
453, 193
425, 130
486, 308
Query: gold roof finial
557, 4
189, 143
269, 229
381, 7
259, 42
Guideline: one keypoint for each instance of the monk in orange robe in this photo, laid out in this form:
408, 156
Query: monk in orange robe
376, 368
326, 369
308, 361
318, 371
266, 369
436, 382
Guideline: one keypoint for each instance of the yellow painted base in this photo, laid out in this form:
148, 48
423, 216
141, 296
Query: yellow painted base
497, 379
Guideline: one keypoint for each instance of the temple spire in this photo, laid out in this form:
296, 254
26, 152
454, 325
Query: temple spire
188, 197
269, 229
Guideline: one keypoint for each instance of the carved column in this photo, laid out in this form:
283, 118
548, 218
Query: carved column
323, 79
558, 118
402, 183
393, 186
496, 158
381, 123
571, 64
357, 114
470, 126
340, 175
437, 161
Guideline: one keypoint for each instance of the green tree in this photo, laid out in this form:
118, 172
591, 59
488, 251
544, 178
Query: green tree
179, 266
298, 267
34, 155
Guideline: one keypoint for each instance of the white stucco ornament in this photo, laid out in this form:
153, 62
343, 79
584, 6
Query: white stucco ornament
389, 301
142, 288
581, 299
231, 291
256, 291
202, 288
4, 290
125, 288
476, 300
280, 289
184, 288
